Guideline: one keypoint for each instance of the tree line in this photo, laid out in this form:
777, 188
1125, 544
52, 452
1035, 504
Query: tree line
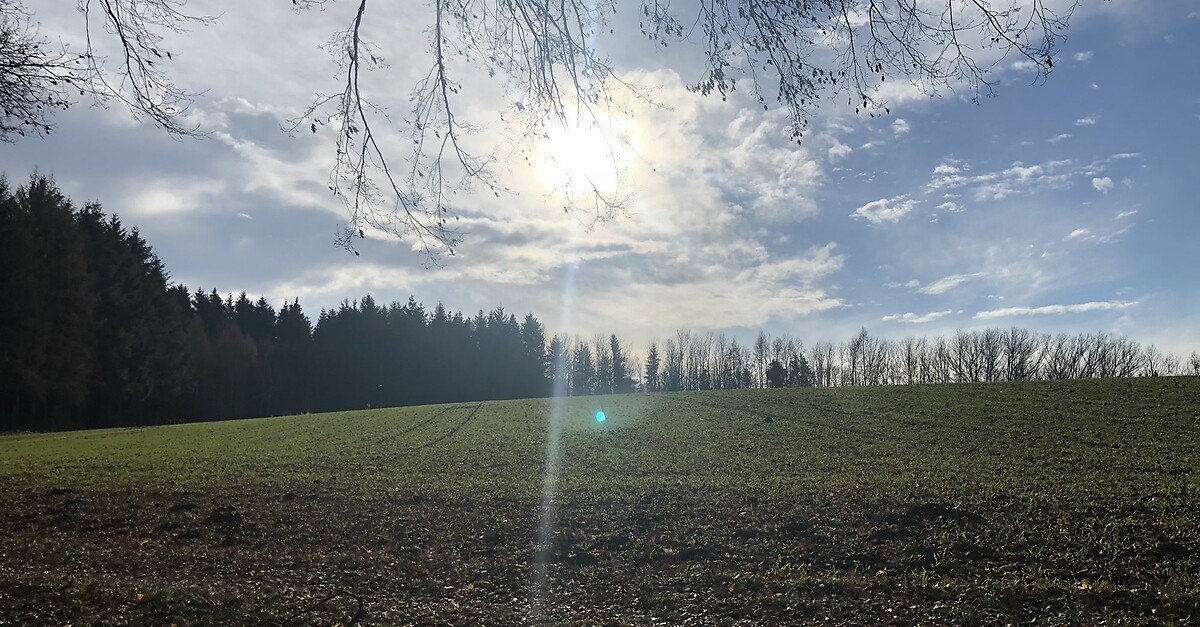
691, 361
94, 334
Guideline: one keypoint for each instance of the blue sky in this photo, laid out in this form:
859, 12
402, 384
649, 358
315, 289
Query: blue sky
1069, 205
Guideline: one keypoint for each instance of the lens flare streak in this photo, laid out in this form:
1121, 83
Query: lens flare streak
549, 512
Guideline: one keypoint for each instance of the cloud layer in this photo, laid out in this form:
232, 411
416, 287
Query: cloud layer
1035, 197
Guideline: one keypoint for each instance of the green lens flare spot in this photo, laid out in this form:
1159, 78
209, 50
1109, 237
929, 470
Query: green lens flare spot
600, 417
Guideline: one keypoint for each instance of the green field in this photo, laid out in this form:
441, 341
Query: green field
1065, 502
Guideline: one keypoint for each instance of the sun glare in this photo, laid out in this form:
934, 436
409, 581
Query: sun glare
585, 156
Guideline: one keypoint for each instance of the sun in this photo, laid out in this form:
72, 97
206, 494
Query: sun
584, 156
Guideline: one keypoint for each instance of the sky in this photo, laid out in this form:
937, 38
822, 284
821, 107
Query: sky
1068, 205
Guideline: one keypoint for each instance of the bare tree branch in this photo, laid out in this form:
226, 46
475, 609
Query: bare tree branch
142, 82
33, 79
794, 54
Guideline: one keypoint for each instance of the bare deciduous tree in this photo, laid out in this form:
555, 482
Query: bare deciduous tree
821, 358
1020, 355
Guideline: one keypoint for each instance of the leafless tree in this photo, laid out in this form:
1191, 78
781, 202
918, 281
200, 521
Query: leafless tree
1057, 363
602, 354
1152, 362
910, 355
942, 362
924, 362
851, 353
1171, 366
672, 359
699, 377
790, 54
877, 362
694, 361
1020, 355
990, 343
731, 360
761, 343
1126, 358
965, 363
821, 359
723, 370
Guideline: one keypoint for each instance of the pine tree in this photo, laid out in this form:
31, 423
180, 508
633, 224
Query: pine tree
776, 374
652, 369
799, 373
142, 361
622, 383
583, 370
47, 315
560, 366
535, 363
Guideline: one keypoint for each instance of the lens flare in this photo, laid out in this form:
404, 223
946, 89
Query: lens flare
600, 417
549, 512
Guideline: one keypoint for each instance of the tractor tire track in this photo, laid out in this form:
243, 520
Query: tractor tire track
393, 437
454, 430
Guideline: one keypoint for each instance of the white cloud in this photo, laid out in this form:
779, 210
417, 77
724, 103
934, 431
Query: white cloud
918, 319
947, 283
753, 160
695, 248
1115, 235
1016, 179
701, 246
1060, 137
1083, 56
839, 151
173, 197
1048, 310
1126, 214
1106, 238
947, 168
885, 210
1103, 185
1087, 121
1019, 178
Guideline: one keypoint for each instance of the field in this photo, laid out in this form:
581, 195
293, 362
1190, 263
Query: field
1060, 503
